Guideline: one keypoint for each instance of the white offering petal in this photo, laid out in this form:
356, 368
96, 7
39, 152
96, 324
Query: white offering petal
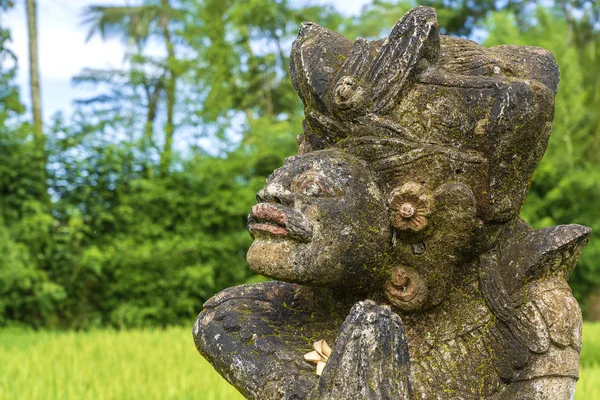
313, 356
318, 345
320, 367
326, 349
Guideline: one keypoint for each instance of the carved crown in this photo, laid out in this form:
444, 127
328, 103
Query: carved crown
464, 112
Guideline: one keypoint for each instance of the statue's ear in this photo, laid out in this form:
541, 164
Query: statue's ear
456, 211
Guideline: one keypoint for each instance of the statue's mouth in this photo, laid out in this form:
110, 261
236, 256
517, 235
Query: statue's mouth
278, 220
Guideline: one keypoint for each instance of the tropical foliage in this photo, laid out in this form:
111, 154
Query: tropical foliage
136, 214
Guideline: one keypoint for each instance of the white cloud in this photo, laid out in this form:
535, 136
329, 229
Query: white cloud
61, 39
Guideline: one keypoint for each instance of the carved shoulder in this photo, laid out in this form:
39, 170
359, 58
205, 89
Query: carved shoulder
538, 328
552, 251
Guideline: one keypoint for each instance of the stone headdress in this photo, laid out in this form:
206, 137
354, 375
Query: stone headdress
417, 102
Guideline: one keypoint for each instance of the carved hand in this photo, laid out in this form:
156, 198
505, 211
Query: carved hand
243, 333
370, 357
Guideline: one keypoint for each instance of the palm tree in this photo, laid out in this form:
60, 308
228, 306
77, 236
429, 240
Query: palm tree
40, 156
170, 86
134, 25
34, 74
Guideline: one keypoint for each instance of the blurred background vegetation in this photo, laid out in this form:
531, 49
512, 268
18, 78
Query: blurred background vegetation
109, 217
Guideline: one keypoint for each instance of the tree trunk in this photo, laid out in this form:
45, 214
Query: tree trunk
148, 140
170, 87
153, 96
34, 74
36, 102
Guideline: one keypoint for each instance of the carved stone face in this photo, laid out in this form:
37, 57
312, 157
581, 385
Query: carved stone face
321, 220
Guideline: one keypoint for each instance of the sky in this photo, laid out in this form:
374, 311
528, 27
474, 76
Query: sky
63, 51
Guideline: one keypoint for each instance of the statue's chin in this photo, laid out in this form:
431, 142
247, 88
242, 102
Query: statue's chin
291, 261
275, 258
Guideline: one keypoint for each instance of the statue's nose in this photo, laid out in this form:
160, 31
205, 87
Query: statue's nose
275, 193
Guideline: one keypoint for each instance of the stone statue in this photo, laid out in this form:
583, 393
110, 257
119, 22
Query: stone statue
403, 269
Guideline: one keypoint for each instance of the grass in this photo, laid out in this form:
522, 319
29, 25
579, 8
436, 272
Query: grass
588, 387
107, 365
151, 364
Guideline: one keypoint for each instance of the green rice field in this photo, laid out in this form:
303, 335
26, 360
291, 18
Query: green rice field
151, 364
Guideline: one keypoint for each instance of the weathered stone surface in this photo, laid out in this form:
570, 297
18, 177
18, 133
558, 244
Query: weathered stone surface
395, 232
372, 359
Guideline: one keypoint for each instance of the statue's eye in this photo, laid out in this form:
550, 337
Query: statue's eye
311, 184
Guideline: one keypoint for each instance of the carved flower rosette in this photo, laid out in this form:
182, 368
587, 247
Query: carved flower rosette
410, 205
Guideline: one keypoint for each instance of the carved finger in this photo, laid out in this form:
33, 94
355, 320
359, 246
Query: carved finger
370, 358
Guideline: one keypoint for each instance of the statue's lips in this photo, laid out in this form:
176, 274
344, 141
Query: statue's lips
278, 220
